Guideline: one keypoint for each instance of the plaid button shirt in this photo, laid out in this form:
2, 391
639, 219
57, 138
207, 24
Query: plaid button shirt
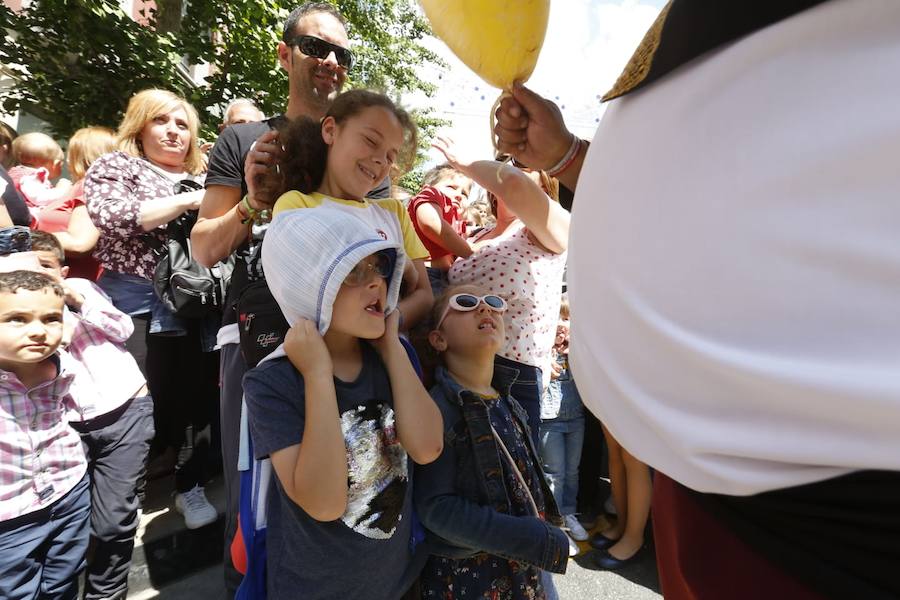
111, 376
41, 458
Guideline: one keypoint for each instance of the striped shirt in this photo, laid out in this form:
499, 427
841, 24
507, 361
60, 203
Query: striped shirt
112, 376
41, 458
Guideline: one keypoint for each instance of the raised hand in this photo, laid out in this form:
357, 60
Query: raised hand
391, 334
531, 129
446, 146
307, 351
262, 172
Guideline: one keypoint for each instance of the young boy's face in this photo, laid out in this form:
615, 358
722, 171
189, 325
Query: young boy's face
455, 187
30, 326
50, 263
360, 303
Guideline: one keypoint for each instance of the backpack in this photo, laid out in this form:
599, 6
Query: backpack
187, 288
261, 324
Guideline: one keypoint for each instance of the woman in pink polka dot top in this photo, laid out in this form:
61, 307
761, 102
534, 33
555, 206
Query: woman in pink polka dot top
522, 258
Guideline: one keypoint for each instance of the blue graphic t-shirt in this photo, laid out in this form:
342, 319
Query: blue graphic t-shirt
366, 553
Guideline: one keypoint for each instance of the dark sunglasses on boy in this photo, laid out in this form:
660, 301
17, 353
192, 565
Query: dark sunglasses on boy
319, 48
378, 265
469, 302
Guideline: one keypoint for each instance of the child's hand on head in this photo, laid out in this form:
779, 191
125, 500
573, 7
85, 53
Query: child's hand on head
73, 298
391, 333
306, 349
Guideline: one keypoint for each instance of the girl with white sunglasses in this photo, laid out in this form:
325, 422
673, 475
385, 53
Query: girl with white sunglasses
491, 517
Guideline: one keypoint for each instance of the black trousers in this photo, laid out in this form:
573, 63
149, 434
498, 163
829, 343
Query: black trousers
117, 458
184, 383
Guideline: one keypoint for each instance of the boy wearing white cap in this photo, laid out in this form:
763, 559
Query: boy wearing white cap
338, 408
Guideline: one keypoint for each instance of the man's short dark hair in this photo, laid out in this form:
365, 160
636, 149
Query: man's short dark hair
12, 282
41, 241
308, 8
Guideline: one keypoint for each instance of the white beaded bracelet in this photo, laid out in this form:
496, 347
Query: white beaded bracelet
566, 161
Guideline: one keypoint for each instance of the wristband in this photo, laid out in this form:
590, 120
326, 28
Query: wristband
254, 215
568, 158
242, 213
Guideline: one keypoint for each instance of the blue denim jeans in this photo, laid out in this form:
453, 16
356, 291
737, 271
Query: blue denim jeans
438, 280
42, 552
560, 446
549, 586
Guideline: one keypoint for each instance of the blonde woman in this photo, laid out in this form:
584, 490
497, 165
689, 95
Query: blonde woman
131, 196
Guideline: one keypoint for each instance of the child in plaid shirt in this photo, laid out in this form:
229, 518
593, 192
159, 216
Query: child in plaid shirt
114, 415
44, 501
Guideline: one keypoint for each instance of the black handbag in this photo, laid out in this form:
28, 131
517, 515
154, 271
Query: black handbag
187, 288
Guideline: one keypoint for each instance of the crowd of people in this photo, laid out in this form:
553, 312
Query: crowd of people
382, 378
377, 299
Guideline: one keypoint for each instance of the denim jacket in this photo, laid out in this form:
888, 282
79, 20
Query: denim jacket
461, 497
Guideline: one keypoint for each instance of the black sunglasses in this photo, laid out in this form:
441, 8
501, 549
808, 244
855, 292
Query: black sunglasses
367, 270
313, 46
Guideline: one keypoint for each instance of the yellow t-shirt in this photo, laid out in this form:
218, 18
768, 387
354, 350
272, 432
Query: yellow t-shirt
387, 215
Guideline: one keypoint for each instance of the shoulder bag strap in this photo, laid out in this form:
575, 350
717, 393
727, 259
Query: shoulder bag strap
512, 463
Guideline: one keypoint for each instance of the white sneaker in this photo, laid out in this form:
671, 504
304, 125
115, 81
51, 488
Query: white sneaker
196, 508
574, 550
577, 532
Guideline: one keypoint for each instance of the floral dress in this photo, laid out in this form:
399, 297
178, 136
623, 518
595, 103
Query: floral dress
485, 576
114, 188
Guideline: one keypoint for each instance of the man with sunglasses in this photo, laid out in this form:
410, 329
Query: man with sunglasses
314, 52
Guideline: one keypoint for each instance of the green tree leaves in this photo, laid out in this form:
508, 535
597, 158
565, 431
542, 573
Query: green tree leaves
77, 62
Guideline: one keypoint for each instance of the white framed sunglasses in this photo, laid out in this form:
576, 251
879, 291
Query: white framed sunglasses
469, 302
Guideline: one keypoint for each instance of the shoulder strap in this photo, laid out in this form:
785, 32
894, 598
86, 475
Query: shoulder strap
518, 474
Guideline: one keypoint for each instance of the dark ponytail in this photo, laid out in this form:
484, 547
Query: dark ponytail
305, 152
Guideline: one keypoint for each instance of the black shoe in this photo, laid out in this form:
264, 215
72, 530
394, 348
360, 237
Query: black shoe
587, 520
608, 562
600, 542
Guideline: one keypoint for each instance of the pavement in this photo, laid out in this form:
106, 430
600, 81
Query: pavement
170, 561
584, 580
